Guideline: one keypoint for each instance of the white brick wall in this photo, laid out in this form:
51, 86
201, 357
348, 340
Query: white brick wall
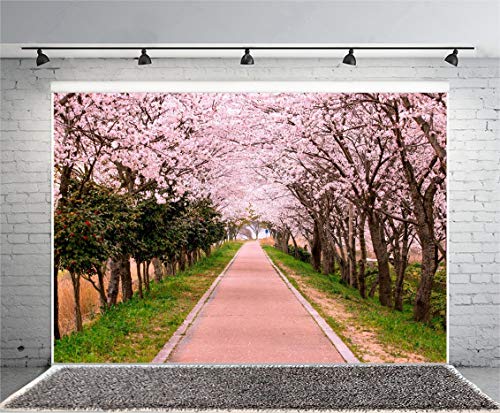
474, 190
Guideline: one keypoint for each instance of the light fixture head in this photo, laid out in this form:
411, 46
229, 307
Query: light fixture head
144, 59
452, 58
349, 58
247, 58
42, 58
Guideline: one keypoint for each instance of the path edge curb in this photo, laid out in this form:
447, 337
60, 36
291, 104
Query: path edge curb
169, 346
337, 342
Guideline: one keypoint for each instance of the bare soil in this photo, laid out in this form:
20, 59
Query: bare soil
365, 342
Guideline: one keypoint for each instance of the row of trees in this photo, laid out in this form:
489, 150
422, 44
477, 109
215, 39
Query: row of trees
360, 176
124, 195
98, 231
368, 172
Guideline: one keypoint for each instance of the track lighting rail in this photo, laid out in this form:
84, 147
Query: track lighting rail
247, 58
250, 47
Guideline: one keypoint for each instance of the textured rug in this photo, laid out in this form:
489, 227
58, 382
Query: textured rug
181, 387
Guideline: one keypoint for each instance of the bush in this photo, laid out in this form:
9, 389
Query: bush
302, 254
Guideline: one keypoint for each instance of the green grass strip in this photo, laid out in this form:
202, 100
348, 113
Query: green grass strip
135, 331
395, 329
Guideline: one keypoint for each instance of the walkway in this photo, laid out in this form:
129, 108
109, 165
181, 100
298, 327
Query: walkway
253, 317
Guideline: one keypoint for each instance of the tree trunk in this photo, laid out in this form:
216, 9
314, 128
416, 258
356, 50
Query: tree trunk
328, 259
63, 193
351, 249
75, 280
373, 288
139, 278
316, 248
295, 247
362, 261
182, 260
57, 332
380, 249
423, 210
344, 271
114, 282
147, 280
101, 288
398, 290
170, 267
284, 242
126, 277
207, 251
158, 269
400, 263
281, 241
422, 308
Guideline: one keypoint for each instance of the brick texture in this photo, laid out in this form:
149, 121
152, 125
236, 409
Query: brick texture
473, 196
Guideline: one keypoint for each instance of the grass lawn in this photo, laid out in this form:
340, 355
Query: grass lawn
135, 331
395, 329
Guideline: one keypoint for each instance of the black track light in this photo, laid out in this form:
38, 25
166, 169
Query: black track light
42, 58
349, 58
452, 58
247, 58
144, 59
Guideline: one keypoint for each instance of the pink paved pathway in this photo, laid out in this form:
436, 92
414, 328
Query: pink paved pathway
253, 317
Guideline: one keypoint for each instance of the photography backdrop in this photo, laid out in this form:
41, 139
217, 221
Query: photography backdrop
473, 139
473, 176
160, 176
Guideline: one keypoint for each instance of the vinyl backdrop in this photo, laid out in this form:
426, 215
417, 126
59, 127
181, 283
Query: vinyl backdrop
145, 184
473, 179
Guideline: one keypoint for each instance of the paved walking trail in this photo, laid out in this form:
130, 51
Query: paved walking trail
253, 317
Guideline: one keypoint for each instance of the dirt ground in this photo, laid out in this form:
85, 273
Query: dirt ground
366, 343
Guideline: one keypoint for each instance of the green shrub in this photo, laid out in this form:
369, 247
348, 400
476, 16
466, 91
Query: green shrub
301, 253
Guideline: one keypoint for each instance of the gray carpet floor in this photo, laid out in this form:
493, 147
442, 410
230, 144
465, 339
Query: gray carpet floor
253, 387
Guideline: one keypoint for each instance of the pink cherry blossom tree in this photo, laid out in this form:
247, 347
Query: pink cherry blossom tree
353, 174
